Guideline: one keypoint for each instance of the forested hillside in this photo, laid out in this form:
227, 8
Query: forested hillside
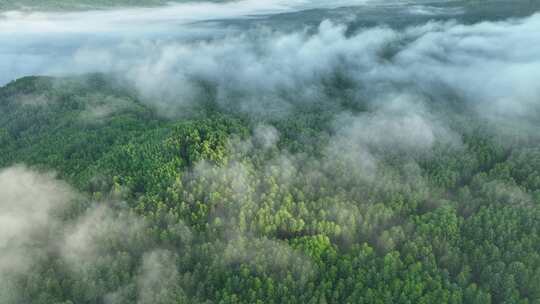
211, 205
269, 151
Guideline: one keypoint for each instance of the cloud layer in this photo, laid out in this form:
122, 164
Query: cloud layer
490, 65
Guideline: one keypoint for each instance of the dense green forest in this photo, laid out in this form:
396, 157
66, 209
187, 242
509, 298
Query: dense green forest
214, 206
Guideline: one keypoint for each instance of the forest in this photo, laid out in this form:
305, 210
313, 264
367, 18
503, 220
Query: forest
219, 208
340, 163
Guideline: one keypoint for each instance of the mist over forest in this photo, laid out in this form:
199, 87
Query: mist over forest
269, 151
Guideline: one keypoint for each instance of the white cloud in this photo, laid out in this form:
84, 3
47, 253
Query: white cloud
27, 201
